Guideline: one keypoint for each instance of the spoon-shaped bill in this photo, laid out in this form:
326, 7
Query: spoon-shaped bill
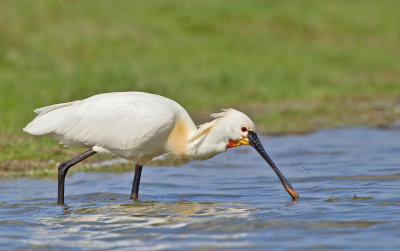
255, 142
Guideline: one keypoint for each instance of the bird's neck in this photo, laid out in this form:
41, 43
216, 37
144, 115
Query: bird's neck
206, 142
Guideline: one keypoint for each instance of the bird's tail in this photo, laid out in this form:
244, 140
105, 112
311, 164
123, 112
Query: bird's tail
44, 124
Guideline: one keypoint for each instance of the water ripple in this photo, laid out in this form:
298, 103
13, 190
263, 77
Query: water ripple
347, 180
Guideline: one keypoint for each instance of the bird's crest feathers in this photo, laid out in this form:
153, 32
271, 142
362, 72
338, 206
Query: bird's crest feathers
224, 113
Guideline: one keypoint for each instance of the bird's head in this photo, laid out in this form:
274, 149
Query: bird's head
234, 126
239, 129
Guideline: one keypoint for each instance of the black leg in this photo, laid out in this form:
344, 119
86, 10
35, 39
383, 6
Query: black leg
136, 182
63, 169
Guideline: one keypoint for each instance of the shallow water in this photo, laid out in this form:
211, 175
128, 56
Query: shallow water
348, 181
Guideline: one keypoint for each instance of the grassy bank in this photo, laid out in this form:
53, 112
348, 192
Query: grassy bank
293, 66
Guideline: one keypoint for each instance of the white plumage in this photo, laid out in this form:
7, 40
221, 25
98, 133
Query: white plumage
133, 125
140, 126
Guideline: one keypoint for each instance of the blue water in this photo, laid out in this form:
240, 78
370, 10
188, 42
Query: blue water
348, 181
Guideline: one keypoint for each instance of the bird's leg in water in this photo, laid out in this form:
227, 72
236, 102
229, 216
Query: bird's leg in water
136, 182
63, 169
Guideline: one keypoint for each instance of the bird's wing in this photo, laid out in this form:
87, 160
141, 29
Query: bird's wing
114, 121
49, 108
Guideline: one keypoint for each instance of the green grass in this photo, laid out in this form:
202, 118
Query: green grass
292, 65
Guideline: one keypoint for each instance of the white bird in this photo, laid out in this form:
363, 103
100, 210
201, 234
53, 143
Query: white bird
141, 126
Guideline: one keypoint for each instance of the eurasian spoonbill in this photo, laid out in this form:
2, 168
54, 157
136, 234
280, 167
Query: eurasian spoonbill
141, 126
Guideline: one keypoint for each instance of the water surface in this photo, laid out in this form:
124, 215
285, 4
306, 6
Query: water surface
348, 181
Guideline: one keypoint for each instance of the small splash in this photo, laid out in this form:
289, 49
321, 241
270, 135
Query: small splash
355, 197
332, 199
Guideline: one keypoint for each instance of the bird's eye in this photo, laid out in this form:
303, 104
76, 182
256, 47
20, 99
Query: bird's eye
244, 129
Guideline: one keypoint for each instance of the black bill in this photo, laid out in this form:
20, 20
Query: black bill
255, 142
